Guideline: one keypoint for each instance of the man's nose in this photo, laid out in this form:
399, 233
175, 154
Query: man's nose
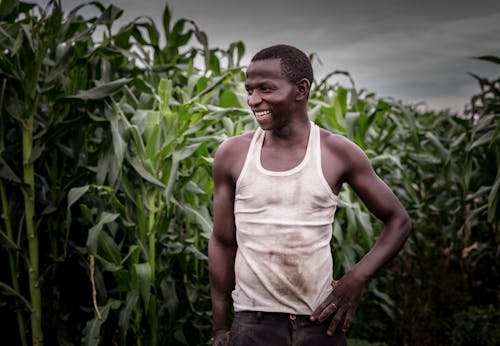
254, 99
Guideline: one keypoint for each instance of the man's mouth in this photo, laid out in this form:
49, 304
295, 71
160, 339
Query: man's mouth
262, 113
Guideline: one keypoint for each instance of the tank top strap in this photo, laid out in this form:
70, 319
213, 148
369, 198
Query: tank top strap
316, 147
253, 149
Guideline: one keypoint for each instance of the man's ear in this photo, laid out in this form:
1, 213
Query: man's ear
303, 88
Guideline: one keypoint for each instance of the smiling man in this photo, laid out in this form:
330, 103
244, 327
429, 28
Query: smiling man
275, 196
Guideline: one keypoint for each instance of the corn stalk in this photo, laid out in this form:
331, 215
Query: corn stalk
131, 187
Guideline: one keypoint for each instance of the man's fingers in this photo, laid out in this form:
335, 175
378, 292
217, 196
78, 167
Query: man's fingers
327, 311
316, 313
335, 321
347, 320
221, 338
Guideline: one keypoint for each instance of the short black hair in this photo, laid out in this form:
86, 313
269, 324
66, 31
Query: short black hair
295, 64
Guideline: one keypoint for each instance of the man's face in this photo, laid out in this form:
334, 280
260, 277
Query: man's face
270, 95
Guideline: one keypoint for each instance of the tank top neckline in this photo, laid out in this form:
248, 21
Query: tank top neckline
291, 171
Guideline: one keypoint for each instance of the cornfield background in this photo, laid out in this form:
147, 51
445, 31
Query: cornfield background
106, 147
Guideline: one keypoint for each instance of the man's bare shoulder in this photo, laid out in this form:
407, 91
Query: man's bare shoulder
234, 146
338, 144
347, 154
231, 155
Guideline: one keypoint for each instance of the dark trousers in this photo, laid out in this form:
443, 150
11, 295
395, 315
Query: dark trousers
280, 329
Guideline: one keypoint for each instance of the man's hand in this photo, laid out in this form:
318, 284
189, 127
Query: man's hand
221, 337
342, 302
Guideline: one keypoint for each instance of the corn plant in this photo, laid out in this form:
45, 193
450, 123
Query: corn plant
444, 168
55, 79
160, 205
106, 144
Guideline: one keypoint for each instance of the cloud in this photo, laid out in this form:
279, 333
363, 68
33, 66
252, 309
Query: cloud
413, 50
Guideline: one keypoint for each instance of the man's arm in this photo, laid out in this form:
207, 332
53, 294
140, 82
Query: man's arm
222, 246
382, 202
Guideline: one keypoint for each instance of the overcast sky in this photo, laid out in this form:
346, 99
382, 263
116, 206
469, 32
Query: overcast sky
405, 49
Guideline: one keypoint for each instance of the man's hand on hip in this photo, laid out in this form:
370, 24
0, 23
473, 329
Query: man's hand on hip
341, 303
221, 337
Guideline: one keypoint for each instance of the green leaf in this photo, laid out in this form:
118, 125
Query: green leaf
192, 187
443, 152
388, 304
164, 92
104, 165
142, 86
240, 50
214, 84
101, 91
76, 193
7, 173
484, 139
383, 159
228, 99
351, 122
9, 291
340, 103
228, 126
167, 193
200, 216
166, 19
180, 337
108, 265
152, 133
131, 251
109, 249
93, 237
475, 213
169, 294
186, 152
490, 58
111, 14
7, 8
6, 242
145, 281
197, 253
126, 311
202, 38
92, 331
201, 83
119, 148
214, 63
425, 158
139, 168
18, 43
329, 114
337, 233
493, 200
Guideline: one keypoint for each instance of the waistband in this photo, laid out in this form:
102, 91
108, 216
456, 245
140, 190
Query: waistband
259, 315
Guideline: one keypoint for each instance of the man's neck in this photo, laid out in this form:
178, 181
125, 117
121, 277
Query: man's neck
295, 132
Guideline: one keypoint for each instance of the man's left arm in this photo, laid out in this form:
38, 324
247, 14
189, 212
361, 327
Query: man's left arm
381, 201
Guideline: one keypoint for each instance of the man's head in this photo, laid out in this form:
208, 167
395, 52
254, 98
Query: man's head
295, 64
278, 84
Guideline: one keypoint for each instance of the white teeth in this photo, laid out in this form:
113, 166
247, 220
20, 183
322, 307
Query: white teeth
261, 114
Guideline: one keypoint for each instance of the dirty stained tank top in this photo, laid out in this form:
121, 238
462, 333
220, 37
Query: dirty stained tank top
283, 230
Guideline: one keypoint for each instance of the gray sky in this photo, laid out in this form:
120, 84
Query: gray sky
405, 49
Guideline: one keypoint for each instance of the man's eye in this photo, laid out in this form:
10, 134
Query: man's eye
265, 89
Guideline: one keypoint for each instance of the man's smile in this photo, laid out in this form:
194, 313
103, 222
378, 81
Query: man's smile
262, 113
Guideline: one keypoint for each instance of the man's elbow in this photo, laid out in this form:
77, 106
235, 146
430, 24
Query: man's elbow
400, 224
405, 225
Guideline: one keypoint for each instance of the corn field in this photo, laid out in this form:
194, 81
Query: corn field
107, 135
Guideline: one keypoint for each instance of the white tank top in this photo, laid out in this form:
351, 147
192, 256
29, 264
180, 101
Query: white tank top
283, 230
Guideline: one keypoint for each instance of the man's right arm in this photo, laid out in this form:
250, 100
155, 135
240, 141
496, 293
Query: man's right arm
222, 244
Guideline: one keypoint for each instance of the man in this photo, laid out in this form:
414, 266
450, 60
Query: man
275, 197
